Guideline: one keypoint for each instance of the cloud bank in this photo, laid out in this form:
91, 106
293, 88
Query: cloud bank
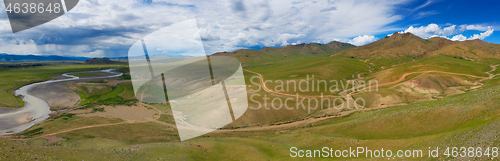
434, 30
97, 28
362, 40
110, 27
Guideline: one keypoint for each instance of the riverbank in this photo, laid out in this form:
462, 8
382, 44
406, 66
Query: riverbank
35, 109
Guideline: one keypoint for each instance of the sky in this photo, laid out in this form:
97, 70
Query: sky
108, 28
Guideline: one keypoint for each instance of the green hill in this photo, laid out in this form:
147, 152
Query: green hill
290, 52
471, 49
398, 45
404, 47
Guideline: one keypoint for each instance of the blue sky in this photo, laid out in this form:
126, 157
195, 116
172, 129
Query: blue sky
452, 12
97, 28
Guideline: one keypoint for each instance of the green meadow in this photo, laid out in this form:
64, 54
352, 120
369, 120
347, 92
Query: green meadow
434, 63
322, 71
89, 96
460, 120
15, 77
469, 119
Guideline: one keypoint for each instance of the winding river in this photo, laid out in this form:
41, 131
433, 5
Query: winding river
35, 110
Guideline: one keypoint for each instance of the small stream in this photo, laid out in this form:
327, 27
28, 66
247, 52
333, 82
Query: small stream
35, 110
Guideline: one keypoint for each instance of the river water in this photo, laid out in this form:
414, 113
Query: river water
35, 110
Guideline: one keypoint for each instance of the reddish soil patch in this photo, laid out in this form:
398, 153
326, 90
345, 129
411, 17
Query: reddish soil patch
53, 139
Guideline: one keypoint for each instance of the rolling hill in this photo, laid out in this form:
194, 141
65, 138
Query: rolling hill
290, 52
475, 49
409, 69
407, 44
399, 45
401, 48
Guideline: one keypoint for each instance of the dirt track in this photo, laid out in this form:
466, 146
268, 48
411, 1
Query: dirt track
261, 79
85, 127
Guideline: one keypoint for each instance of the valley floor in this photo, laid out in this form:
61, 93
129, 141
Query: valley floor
112, 126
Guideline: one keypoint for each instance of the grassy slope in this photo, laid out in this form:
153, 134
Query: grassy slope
401, 48
433, 63
469, 119
420, 119
65, 122
396, 49
471, 49
431, 84
128, 92
89, 97
463, 120
322, 68
267, 55
36, 150
342, 68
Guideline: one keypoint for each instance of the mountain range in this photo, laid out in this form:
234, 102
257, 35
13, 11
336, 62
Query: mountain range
289, 52
407, 44
390, 50
35, 58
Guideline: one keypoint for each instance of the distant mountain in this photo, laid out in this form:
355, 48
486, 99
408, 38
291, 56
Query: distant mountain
267, 55
471, 49
409, 45
37, 58
100, 61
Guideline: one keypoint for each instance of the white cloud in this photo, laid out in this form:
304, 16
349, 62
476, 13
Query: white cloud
475, 27
284, 38
362, 40
438, 36
434, 30
431, 30
111, 26
282, 22
449, 30
459, 37
423, 5
423, 14
482, 35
